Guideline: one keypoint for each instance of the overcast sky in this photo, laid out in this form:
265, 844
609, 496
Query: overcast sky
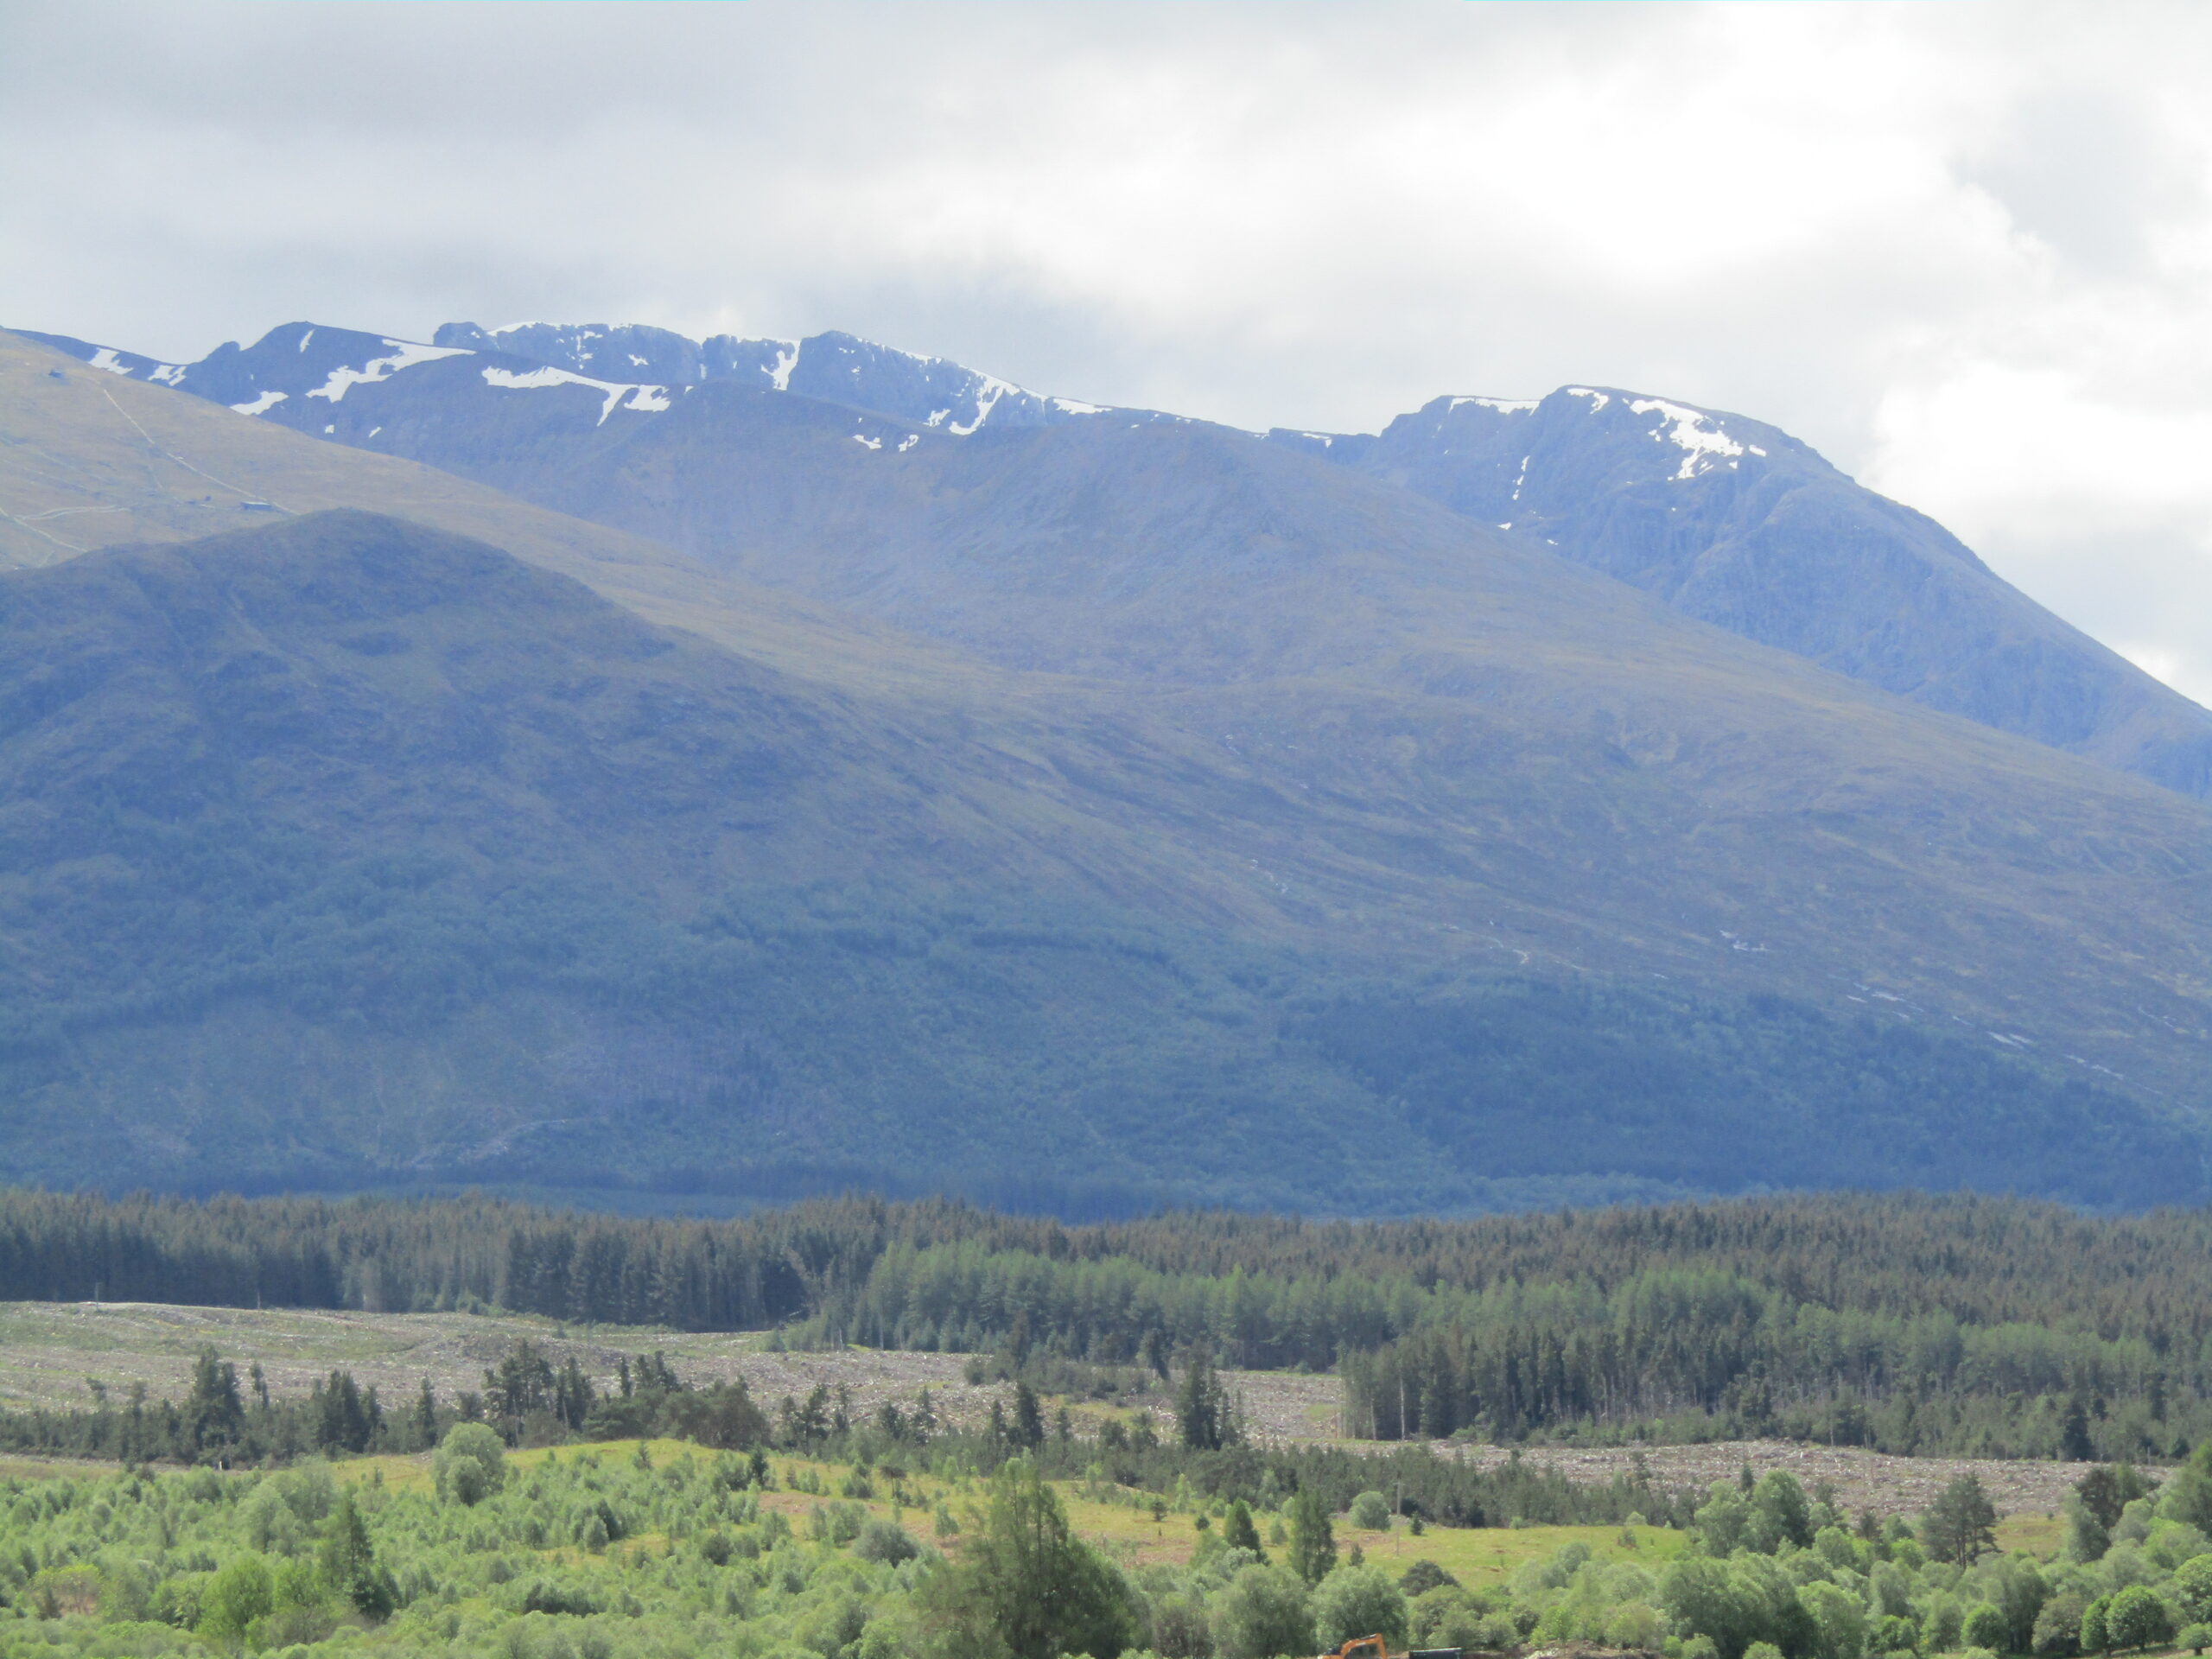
1965, 250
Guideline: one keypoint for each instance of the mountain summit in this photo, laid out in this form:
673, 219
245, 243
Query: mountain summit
1739, 525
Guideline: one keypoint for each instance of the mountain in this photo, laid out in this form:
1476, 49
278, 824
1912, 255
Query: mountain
838, 367
1249, 831
340, 849
1739, 525
1722, 518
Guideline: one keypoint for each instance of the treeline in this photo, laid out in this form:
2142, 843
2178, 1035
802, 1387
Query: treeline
1688, 1354
226, 1421
1905, 1321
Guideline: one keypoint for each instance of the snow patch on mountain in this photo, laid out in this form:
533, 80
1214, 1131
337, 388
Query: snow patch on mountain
1704, 447
261, 405
406, 354
651, 400
1599, 399
1503, 405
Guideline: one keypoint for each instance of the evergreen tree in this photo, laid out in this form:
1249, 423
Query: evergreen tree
2075, 1445
1204, 1419
425, 1422
1238, 1532
1312, 1539
1028, 1418
1960, 1523
213, 1417
348, 1562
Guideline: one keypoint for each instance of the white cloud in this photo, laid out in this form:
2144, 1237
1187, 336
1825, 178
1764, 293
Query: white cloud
1966, 250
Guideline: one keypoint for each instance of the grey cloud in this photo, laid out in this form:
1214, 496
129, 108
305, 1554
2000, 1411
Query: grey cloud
1262, 213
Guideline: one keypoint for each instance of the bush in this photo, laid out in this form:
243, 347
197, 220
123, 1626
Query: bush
1423, 1577
2058, 1625
1180, 1629
240, 1593
1370, 1512
470, 1465
886, 1543
2196, 1638
1359, 1601
1985, 1628
1262, 1613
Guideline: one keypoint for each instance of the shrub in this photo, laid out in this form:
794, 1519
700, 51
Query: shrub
470, 1465
1985, 1628
886, 1543
2058, 1625
1423, 1577
1370, 1512
1263, 1612
238, 1595
1359, 1601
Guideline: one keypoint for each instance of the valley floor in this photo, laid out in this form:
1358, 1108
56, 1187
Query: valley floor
50, 1353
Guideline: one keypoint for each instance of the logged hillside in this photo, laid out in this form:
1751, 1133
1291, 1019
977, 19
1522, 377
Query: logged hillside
1985, 1328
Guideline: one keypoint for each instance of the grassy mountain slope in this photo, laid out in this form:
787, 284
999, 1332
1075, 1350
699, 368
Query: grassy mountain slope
341, 850
1037, 935
1496, 741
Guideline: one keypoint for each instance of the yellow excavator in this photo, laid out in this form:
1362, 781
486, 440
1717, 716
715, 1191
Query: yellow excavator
1374, 1646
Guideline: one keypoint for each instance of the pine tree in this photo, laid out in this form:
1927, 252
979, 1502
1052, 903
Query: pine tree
1960, 1523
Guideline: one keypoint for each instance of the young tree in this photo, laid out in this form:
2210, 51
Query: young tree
348, 1562
1359, 1601
341, 1421
1313, 1539
1028, 1418
213, 1416
1205, 1420
1026, 1580
1263, 1612
1238, 1532
425, 1422
2075, 1445
1960, 1523
470, 1465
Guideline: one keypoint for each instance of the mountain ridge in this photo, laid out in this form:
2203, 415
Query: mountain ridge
1755, 533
